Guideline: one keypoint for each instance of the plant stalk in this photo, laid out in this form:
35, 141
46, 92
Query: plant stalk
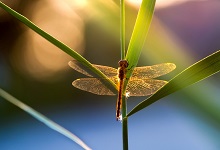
122, 28
124, 104
124, 124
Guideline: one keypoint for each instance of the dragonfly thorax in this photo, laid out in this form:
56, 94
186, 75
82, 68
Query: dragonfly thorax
123, 64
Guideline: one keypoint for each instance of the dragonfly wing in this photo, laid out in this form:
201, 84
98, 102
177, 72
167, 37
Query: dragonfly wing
143, 87
153, 71
108, 71
93, 85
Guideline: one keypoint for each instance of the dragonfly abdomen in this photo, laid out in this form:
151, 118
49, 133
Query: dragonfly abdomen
123, 64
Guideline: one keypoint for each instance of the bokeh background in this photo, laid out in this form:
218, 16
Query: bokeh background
36, 72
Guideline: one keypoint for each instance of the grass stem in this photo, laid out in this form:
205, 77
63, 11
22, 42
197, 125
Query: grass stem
122, 28
40, 117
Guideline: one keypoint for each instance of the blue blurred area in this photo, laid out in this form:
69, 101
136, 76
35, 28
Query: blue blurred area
188, 119
161, 126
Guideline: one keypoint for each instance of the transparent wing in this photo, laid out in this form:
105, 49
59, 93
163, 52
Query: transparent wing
135, 87
94, 85
139, 72
108, 71
140, 84
143, 87
153, 71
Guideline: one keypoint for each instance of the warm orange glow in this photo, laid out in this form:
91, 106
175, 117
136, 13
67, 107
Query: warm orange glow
36, 57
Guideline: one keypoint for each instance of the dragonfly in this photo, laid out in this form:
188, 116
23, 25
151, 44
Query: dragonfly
141, 83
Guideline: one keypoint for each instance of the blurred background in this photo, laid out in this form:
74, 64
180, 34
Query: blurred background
36, 72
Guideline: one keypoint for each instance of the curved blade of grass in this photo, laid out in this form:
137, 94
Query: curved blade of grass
195, 73
57, 43
51, 124
136, 43
139, 34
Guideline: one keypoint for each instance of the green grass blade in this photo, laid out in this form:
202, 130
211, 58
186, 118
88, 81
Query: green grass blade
56, 42
195, 73
51, 124
122, 28
139, 34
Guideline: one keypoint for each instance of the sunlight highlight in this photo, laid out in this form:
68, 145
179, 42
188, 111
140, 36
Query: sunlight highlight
127, 94
36, 57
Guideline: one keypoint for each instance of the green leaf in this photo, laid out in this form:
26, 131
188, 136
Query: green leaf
51, 124
139, 34
195, 73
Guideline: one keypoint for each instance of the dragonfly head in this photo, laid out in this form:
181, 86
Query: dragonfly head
123, 63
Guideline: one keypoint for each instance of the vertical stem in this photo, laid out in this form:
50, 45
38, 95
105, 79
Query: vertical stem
125, 133
124, 123
122, 28
124, 104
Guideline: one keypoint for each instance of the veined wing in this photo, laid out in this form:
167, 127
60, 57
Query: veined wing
153, 71
143, 87
108, 71
94, 85
139, 72
135, 87
140, 84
